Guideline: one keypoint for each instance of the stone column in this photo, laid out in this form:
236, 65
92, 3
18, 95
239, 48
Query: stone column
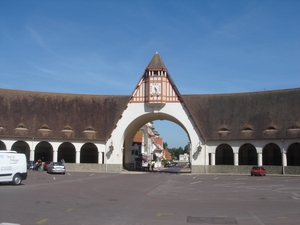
213, 159
259, 159
77, 156
99, 157
236, 158
31, 157
55, 155
284, 159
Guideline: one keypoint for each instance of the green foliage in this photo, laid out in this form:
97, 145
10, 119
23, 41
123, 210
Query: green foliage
175, 152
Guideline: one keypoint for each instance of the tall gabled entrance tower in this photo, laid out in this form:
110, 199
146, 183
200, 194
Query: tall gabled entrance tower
156, 86
155, 97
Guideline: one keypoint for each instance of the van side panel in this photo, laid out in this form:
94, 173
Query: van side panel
12, 163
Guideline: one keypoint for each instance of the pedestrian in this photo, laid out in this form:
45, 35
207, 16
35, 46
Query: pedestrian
62, 161
152, 166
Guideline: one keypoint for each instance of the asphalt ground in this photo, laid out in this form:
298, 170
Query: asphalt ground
150, 198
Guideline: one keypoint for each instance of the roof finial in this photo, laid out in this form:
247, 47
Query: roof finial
156, 52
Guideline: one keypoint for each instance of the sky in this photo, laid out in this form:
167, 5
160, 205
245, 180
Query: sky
103, 47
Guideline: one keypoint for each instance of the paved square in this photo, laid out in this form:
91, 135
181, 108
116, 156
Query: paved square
151, 198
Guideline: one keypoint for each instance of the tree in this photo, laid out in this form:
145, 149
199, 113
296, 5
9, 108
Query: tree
165, 145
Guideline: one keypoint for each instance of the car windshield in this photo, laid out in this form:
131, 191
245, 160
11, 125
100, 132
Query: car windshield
57, 164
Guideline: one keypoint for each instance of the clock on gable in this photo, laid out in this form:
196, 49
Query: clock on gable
155, 88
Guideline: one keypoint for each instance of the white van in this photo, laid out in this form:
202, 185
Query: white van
13, 167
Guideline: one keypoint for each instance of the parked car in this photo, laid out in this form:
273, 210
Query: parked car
258, 171
169, 164
56, 167
46, 164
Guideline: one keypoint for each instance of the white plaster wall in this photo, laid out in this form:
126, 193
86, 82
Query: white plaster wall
138, 114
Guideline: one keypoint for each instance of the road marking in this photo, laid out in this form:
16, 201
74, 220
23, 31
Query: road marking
165, 214
216, 178
92, 175
4, 223
53, 178
282, 217
256, 218
42, 221
196, 182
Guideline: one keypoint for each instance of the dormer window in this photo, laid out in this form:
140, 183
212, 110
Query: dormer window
89, 129
247, 129
294, 127
223, 130
67, 129
271, 128
21, 126
44, 128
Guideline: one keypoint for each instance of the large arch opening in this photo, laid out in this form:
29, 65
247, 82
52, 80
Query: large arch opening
293, 154
43, 151
131, 150
247, 155
2, 146
67, 152
21, 147
89, 153
224, 155
271, 155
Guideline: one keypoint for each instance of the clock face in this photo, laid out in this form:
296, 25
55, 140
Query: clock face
155, 88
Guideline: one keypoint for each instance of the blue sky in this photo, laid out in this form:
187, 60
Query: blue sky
103, 47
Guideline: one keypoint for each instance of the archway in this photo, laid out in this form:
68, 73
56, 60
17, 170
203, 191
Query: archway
67, 152
271, 155
224, 155
247, 155
89, 153
43, 151
21, 147
293, 154
134, 127
2, 146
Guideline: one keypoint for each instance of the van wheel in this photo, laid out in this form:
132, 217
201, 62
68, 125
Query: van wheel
17, 180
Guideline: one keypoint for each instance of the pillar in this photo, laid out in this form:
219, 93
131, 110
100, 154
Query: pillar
213, 159
99, 157
259, 159
284, 159
55, 155
77, 160
236, 158
31, 157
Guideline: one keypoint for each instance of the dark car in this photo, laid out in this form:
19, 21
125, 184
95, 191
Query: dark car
258, 171
46, 164
56, 167
169, 164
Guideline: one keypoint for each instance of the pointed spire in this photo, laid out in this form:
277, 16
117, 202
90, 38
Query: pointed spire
156, 63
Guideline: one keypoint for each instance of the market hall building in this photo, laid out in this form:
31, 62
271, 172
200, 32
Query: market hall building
228, 133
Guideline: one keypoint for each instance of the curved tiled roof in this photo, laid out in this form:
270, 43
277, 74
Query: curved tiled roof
59, 116
256, 115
